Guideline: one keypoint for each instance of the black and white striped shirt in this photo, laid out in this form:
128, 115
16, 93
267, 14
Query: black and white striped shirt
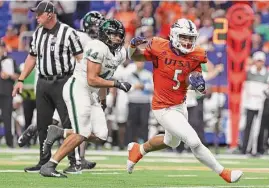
55, 49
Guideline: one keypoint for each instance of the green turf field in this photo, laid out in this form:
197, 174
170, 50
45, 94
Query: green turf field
163, 170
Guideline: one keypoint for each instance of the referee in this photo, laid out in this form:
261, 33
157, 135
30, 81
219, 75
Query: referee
55, 48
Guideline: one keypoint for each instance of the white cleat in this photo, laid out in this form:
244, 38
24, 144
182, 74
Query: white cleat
130, 166
134, 156
236, 175
231, 176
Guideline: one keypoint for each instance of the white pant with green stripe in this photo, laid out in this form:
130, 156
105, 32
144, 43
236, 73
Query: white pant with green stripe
85, 112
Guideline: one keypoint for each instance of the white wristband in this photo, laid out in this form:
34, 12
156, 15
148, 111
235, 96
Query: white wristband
131, 52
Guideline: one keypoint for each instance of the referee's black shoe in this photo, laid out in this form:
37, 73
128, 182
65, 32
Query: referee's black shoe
48, 170
33, 169
27, 135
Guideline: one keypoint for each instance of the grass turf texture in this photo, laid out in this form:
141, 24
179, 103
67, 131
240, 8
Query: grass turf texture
165, 170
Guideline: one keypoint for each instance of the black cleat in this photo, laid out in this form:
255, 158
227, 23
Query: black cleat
87, 164
73, 169
54, 134
33, 169
48, 170
26, 136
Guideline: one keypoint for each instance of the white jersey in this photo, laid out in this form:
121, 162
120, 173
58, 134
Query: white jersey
122, 73
121, 109
98, 52
84, 38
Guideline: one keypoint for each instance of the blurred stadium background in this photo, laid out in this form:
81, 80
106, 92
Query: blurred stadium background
230, 31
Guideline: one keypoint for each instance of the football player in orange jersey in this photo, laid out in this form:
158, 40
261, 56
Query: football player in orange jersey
174, 62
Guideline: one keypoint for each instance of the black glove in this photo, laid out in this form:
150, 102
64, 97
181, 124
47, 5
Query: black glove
125, 86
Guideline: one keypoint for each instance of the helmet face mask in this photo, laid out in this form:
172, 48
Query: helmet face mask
91, 22
187, 42
183, 35
112, 33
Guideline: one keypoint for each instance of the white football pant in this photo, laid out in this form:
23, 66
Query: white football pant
85, 112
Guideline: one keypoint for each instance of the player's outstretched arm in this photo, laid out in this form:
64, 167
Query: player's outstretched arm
134, 53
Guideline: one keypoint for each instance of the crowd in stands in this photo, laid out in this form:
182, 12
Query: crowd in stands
140, 18
147, 18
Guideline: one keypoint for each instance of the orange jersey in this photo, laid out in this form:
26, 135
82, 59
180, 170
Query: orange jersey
170, 71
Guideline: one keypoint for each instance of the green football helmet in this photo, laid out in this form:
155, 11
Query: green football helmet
108, 29
91, 22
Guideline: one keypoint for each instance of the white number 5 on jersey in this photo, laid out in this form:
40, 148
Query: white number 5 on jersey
177, 72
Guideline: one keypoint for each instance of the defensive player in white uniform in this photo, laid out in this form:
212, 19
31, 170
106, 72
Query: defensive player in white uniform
91, 77
89, 25
121, 104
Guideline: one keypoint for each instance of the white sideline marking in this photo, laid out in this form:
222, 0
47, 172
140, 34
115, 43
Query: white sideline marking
184, 175
93, 171
124, 153
31, 157
256, 178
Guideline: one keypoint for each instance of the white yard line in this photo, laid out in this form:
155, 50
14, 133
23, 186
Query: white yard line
165, 160
103, 170
255, 178
105, 173
229, 162
183, 160
182, 175
11, 171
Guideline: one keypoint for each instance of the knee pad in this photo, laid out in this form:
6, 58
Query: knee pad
171, 141
102, 135
173, 144
193, 142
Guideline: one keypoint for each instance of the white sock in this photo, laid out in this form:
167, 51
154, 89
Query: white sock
65, 132
52, 160
206, 157
142, 151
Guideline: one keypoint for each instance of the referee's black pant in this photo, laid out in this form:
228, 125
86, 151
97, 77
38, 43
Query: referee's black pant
138, 121
6, 111
250, 116
48, 98
264, 128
